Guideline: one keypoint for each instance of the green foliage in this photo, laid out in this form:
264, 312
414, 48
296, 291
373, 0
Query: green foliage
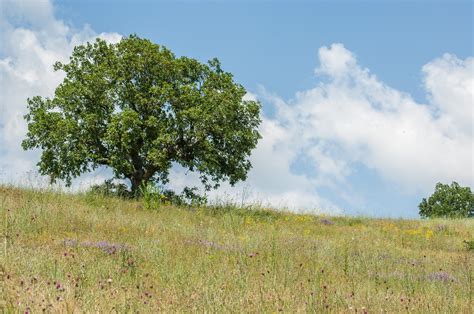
109, 188
448, 201
469, 245
150, 195
136, 108
190, 197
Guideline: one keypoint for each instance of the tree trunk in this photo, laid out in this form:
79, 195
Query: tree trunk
136, 181
135, 186
141, 177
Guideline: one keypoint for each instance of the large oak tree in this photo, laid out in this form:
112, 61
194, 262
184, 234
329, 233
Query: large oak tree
137, 108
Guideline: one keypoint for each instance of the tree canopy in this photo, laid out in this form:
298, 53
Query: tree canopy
452, 201
137, 108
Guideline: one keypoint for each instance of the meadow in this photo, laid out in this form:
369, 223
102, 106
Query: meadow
89, 253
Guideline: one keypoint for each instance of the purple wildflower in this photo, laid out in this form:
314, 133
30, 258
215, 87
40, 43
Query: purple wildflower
442, 276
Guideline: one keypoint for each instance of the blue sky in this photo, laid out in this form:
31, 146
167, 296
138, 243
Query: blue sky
278, 49
275, 43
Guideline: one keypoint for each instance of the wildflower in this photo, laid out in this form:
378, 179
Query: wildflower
428, 234
414, 232
441, 228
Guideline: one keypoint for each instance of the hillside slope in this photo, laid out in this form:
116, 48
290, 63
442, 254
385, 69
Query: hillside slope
83, 252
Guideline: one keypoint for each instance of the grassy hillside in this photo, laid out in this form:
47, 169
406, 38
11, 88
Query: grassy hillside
64, 252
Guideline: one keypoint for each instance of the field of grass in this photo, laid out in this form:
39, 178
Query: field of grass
71, 253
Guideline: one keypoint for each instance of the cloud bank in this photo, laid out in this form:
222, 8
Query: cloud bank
311, 142
355, 118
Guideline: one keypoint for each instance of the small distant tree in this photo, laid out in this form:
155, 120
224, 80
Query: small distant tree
452, 201
136, 108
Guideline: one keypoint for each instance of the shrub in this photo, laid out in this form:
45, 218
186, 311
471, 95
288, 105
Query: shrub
153, 196
188, 197
451, 201
469, 245
110, 188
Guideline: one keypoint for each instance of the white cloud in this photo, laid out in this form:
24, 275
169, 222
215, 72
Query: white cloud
355, 118
32, 40
336, 61
449, 82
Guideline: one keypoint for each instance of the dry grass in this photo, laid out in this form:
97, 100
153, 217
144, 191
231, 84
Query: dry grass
70, 253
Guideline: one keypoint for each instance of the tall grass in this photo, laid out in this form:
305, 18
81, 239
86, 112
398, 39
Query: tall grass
66, 253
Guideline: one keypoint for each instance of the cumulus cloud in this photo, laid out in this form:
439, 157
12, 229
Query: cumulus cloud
32, 40
449, 82
353, 117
